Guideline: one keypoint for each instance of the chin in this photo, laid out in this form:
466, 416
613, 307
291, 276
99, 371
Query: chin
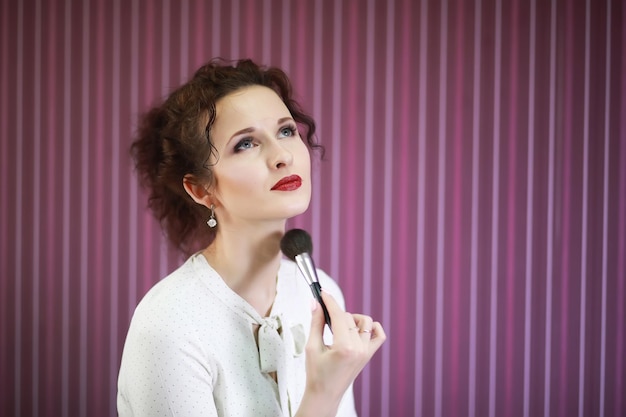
296, 211
296, 208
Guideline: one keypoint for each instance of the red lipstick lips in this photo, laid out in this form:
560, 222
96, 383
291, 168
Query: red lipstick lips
290, 183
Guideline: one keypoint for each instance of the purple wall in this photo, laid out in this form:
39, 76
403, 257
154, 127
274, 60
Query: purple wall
473, 198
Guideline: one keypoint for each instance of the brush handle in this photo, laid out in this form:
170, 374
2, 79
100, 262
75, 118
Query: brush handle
317, 293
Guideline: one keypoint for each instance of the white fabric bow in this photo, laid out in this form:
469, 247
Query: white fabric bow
274, 339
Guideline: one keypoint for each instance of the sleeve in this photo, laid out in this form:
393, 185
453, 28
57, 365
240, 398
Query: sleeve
163, 373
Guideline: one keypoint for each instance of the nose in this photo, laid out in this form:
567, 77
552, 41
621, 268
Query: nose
280, 155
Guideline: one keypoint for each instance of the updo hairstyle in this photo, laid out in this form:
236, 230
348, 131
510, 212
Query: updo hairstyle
174, 140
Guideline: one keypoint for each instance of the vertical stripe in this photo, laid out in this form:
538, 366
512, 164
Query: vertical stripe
184, 41
19, 134
618, 390
583, 243
476, 104
267, 24
568, 132
84, 214
511, 208
5, 198
337, 105
165, 32
201, 50
235, 29
547, 380
368, 166
605, 213
317, 111
421, 204
388, 199
404, 176
216, 39
4, 110
286, 37
165, 88
530, 169
115, 202
441, 208
96, 214
348, 167
148, 76
133, 221
67, 131
457, 135
493, 309
36, 219
49, 366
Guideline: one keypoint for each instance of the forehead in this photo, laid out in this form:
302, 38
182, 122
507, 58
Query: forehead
248, 105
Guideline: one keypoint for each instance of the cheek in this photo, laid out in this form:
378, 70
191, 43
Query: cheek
235, 183
302, 155
238, 183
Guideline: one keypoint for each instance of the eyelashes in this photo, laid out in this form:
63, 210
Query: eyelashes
286, 131
244, 144
291, 129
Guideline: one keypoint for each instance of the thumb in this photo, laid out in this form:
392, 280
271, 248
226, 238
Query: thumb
316, 336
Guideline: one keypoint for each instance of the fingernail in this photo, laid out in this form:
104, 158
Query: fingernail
313, 304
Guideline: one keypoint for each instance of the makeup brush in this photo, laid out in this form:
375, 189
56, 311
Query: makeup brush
296, 244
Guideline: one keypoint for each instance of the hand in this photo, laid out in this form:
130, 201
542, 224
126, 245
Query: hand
331, 369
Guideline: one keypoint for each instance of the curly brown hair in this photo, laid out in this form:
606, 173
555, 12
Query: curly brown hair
174, 140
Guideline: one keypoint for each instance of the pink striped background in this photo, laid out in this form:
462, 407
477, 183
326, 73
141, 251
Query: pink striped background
473, 197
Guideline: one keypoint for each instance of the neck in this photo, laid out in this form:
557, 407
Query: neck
248, 263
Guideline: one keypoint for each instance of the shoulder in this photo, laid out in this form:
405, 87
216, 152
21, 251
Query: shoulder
170, 289
165, 363
169, 321
171, 304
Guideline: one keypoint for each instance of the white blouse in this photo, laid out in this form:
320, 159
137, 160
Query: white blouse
190, 349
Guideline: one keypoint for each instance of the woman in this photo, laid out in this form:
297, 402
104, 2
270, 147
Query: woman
231, 333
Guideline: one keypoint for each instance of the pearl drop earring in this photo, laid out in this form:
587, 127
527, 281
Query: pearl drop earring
212, 222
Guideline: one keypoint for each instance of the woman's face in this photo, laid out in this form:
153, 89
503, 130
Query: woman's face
263, 171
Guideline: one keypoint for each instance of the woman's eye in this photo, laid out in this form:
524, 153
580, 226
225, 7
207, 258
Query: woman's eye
287, 131
244, 144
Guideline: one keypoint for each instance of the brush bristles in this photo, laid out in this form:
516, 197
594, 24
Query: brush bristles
296, 242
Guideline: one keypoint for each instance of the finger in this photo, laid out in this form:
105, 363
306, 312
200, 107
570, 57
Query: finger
331, 303
316, 336
364, 322
341, 321
378, 336
365, 325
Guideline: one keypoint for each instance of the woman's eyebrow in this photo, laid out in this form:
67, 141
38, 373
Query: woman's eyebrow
239, 132
252, 129
284, 119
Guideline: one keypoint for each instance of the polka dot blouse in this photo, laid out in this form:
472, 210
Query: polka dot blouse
191, 351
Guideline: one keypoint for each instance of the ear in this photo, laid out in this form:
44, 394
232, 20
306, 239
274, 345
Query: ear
197, 191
